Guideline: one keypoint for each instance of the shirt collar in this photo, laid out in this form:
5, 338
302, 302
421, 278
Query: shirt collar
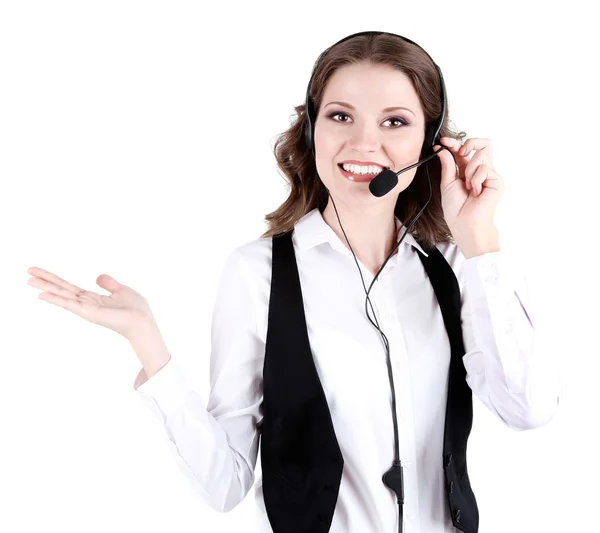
312, 230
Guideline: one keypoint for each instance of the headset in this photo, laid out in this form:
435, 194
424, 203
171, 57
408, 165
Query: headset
382, 184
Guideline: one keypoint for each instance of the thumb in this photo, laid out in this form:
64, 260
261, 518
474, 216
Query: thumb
109, 283
449, 172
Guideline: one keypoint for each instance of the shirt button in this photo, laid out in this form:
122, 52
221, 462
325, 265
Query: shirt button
511, 325
492, 273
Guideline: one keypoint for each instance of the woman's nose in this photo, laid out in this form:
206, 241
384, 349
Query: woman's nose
364, 137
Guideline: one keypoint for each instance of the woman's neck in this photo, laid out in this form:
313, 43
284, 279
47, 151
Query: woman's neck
372, 233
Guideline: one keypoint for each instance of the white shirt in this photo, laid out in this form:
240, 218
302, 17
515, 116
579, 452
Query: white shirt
216, 444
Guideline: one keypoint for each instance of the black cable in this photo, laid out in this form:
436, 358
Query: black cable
383, 336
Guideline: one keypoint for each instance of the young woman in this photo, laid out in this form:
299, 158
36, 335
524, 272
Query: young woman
297, 358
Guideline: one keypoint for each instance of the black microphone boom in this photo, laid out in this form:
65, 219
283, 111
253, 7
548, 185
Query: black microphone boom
385, 181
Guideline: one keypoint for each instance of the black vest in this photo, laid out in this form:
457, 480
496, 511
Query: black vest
300, 456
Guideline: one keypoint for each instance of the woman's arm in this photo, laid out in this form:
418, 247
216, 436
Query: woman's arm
214, 443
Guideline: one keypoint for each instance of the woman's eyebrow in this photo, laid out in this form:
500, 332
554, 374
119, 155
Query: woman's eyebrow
386, 110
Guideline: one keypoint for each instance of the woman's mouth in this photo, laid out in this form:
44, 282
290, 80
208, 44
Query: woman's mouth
361, 178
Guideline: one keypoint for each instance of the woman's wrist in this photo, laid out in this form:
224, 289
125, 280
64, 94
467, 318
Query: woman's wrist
150, 348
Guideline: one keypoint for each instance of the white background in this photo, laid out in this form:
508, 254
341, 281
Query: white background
136, 140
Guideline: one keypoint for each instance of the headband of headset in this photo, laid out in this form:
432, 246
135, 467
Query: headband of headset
432, 131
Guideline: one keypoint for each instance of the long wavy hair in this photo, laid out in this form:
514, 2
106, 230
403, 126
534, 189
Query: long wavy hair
296, 162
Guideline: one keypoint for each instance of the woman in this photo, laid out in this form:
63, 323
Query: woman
262, 381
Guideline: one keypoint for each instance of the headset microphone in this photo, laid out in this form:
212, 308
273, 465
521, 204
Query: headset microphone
385, 181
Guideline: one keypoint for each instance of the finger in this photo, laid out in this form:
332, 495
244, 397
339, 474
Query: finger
454, 146
486, 177
478, 179
109, 283
53, 278
449, 171
480, 158
47, 286
476, 144
66, 303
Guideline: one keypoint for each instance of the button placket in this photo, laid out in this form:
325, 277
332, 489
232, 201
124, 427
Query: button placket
385, 306
381, 311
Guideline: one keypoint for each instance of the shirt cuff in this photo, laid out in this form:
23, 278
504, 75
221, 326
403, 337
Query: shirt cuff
168, 389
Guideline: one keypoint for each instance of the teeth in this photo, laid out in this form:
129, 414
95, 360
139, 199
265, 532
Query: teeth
363, 170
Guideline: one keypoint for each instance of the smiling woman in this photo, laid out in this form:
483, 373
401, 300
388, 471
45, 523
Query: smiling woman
373, 94
392, 140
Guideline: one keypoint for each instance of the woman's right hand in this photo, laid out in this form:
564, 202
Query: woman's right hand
123, 311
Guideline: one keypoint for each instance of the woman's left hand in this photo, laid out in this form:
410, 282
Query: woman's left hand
470, 194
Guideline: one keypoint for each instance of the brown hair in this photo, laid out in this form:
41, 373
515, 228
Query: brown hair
297, 163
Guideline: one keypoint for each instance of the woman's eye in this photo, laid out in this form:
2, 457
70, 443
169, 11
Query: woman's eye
399, 120
338, 114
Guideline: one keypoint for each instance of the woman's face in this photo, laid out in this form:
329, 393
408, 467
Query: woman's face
352, 125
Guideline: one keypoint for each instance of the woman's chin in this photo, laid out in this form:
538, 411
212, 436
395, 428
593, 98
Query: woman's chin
353, 192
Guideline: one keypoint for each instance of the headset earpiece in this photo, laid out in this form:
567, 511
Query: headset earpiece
308, 126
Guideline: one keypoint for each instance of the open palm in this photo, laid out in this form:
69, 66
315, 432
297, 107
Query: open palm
122, 311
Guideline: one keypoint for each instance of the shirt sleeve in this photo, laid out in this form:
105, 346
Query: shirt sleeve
508, 367
215, 444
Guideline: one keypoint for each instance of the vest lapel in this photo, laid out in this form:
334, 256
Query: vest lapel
300, 457
459, 404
